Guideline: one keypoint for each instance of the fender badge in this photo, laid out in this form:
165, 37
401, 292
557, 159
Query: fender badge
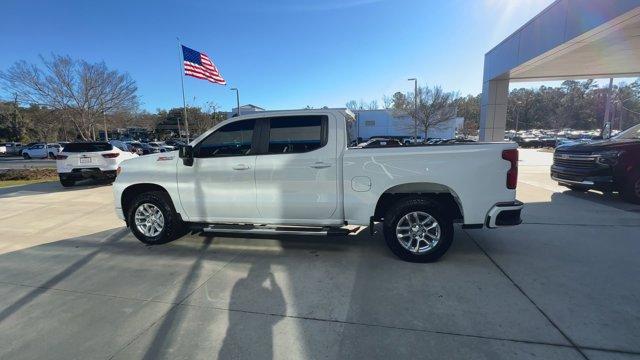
164, 158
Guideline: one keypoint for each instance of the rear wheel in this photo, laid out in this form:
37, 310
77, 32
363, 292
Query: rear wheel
26, 156
416, 230
51, 156
153, 220
631, 192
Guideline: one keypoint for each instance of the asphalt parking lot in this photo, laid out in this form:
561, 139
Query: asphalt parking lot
563, 285
17, 162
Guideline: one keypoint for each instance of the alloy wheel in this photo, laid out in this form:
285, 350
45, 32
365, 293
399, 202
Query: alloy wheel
418, 232
149, 219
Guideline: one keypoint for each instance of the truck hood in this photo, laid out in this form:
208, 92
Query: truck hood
598, 146
148, 162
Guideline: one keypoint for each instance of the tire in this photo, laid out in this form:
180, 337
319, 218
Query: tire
26, 156
172, 226
396, 214
51, 156
67, 182
631, 191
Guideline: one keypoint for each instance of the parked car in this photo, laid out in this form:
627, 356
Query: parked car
84, 160
381, 142
528, 141
122, 145
148, 149
24, 147
293, 172
162, 147
41, 151
13, 148
134, 147
175, 143
412, 140
3, 149
607, 165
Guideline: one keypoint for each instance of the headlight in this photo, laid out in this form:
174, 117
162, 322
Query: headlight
609, 157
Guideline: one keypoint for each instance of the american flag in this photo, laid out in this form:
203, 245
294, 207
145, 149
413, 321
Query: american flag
199, 65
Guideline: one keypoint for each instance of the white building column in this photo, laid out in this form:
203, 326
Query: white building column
493, 110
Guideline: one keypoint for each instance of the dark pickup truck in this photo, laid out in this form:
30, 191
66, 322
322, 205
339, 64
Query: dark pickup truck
607, 165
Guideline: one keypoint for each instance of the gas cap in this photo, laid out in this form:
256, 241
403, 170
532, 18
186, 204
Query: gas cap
361, 183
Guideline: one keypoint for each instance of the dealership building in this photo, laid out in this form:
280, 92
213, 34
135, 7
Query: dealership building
570, 39
384, 123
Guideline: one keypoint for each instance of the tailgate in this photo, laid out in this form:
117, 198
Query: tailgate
85, 160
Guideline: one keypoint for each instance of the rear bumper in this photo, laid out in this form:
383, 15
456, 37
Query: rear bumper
504, 214
88, 173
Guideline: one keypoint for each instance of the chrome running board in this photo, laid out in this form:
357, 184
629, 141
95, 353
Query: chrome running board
279, 230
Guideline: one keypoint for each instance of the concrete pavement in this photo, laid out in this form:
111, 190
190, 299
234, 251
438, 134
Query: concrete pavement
75, 284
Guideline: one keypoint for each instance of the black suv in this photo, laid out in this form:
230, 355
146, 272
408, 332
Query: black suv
607, 165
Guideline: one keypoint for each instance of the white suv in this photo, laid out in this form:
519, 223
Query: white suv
41, 151
89, 160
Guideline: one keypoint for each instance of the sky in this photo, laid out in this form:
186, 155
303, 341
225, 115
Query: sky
280, 54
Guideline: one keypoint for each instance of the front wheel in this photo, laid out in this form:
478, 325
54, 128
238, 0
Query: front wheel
631, 191
26, 156
416, 230
153, 220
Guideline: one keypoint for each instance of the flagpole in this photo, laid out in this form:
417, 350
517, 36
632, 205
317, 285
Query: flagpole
184, 100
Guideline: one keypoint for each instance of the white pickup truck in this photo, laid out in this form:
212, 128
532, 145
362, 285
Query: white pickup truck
295, 172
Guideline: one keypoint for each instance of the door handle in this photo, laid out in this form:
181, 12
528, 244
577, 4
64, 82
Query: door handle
240, 167
320, 165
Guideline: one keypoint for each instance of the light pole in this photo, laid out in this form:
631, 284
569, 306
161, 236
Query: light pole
517, 116
106, 132
237, 99
606, 126
415, 116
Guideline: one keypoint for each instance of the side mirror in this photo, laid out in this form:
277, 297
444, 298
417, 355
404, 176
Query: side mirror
186, 154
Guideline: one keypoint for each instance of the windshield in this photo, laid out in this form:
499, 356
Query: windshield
631, 133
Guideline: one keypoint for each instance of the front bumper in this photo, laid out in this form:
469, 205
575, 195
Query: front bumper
603, 181
504, 214
88, 173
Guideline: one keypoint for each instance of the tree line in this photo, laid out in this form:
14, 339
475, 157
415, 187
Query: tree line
574, 104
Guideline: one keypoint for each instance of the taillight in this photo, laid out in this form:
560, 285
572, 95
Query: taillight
110, 155
511, 155
118, 170
61, 157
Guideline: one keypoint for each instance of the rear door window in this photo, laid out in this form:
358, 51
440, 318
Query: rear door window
296, 134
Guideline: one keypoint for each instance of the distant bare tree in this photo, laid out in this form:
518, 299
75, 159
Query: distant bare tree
352, 105
387, 102
362, 105
81, 90
435, 106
